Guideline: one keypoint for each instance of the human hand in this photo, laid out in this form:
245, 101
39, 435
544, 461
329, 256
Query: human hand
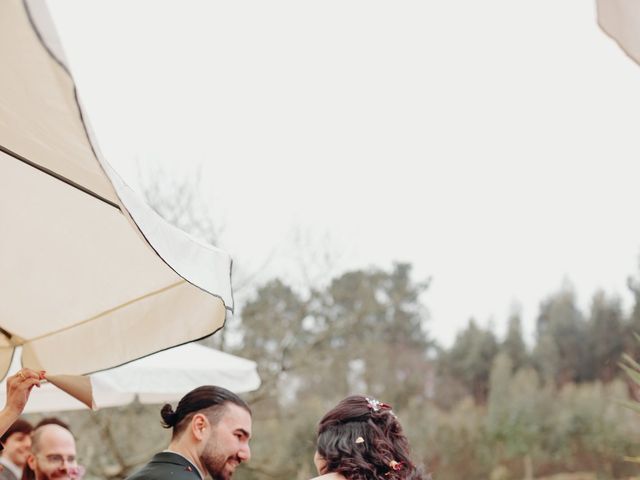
19, 387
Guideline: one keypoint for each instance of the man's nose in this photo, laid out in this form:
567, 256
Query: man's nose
245, 453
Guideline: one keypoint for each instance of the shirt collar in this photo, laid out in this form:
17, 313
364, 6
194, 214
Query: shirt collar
16, 470
188, 460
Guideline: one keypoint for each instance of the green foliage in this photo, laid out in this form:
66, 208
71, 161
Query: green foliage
606, 333
470, 358
633, 325
513, 344
563, 350
273, 328
364, 332
575, 429
632, 369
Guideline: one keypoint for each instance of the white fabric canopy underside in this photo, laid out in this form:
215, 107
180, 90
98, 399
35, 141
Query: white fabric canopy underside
90, 276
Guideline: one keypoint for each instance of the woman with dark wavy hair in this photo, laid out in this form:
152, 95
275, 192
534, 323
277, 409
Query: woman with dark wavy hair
361, 439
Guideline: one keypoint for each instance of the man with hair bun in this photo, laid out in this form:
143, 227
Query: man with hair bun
211, 428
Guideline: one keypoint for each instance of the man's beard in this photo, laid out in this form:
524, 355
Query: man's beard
40, 475
215, 465
70, 472
214, 462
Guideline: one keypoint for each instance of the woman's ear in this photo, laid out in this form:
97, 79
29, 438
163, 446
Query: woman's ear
320, 462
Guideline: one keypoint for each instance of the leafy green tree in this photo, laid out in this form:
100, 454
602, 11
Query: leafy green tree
562, 351
364, 332
498, 401
470, 359
606, 333
379, 305
273, 332
513, 344
377, 324
633, 326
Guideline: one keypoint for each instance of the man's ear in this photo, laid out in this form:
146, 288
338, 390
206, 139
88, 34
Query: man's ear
31, 461
199, 426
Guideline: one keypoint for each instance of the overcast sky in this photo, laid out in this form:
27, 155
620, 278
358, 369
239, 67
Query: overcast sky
493, 144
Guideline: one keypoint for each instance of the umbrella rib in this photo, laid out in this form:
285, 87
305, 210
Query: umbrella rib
110, 310
57, 176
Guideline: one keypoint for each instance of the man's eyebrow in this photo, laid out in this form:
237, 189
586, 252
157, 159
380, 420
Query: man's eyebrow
244, 432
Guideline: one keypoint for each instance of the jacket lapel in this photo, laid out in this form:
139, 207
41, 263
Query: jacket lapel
174, 458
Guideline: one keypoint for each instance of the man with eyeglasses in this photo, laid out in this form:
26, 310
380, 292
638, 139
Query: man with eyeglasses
53, 455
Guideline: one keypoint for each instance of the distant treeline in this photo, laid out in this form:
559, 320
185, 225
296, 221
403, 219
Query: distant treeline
368, 329
571, 346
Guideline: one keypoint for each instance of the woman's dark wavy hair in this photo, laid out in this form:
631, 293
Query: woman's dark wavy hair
340, 445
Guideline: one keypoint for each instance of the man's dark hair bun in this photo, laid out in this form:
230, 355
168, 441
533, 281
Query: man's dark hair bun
207, 398
169, 417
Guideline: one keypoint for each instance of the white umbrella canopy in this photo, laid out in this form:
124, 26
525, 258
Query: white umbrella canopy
620, 19
90, 276
162, 377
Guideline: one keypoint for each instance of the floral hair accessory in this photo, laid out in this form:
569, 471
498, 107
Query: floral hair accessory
359, 440
377, 405
395, 465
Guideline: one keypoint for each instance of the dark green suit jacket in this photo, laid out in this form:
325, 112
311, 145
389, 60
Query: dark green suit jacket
167, 465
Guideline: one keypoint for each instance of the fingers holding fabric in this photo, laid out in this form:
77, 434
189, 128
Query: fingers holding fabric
19, 387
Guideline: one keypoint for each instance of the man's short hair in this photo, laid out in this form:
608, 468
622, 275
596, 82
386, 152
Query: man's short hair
52, 421
35, 439
19, 426
36, 435
208, 399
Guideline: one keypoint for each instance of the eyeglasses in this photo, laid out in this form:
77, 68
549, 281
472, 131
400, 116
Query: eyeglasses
59, 460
